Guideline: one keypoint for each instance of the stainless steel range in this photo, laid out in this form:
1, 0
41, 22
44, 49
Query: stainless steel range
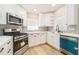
20, 40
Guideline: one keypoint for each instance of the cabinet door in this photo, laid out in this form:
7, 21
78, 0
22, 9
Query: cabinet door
37, 39
31, 40
42, 38
53, 40
50, 17
50, 38
42, 21
34, 39
72, 14
3, 50
9, 49
2, 14
56, 41
25, 19
61, 11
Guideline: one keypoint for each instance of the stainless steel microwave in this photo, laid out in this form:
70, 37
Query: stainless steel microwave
14, 20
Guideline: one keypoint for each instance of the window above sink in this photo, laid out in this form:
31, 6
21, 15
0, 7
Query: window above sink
32, 28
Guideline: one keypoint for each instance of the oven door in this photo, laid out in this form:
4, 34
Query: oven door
20, 44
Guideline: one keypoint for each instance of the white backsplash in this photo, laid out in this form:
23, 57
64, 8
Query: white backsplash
73, 29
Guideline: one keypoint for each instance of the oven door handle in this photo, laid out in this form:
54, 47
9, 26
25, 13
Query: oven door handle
20, 39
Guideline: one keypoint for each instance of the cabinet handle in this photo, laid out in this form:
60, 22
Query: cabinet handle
75, 48
9, 50
8, 42
1, 50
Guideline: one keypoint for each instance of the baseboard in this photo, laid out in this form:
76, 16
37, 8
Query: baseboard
46, 44
37, 45
52, 47
65, 52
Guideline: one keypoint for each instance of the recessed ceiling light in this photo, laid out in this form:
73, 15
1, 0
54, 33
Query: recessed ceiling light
53, 5
35, 9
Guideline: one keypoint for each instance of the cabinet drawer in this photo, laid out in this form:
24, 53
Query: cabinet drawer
9, 43
7, 48
9, 51
3, 50
33, 35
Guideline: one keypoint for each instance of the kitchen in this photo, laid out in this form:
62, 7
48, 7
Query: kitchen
39, 29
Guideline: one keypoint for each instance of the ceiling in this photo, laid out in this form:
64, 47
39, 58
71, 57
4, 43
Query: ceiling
41, 8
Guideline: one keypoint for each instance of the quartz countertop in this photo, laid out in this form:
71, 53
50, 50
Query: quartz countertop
70, 34
36, 31
64, 33
3, 39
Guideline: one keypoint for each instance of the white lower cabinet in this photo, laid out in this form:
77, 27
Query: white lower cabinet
7, 48
36, 38
33, 39
3, 50
40, 38
53, 40
10, 47
43, 37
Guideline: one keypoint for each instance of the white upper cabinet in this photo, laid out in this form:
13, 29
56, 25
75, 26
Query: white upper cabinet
2, 15
72, 14
24, 17
42, 21
68, 14
49, 17
46, 19
13, 9
60, 11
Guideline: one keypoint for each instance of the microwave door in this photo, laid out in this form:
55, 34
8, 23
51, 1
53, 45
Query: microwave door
9, 22
14, 20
